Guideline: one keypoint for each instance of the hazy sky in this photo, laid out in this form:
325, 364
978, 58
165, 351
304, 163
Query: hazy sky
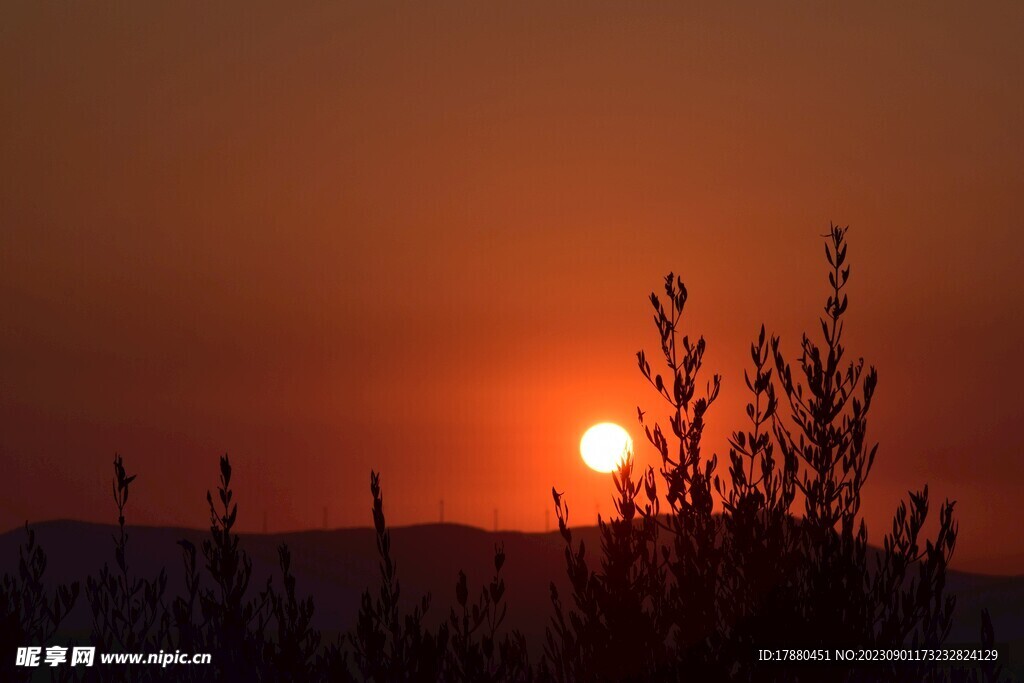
419, 237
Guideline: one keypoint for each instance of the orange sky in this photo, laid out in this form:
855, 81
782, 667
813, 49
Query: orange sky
419, 237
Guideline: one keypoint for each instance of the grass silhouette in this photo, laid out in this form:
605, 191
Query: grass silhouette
678, 591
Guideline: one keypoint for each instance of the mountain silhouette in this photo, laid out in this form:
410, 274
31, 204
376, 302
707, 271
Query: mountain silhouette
335, 566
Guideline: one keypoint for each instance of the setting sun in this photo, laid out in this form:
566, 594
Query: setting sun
605, 446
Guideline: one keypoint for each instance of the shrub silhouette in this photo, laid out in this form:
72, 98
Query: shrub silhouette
465, 648
695, 606
235, 620
128, 612
684, 593
28, 616
388, 648
251, 635
477, 652
268, 634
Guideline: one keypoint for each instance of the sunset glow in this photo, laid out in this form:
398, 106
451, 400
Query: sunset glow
358, 244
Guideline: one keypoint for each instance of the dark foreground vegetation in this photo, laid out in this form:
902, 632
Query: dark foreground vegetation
676, 591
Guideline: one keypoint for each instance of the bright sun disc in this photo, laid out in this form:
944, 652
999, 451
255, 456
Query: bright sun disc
605, 446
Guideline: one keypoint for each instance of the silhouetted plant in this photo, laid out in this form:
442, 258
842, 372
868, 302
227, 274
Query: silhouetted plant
759, 588
754, 576
825, 435
478, 652
297, 641
623, 608
235, 623
694, 560
268, 634
128, 612
188, 635
468, 647
387, 647
29, 617
652, 608
840, 600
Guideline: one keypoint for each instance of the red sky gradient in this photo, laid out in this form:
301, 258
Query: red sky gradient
419, 237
